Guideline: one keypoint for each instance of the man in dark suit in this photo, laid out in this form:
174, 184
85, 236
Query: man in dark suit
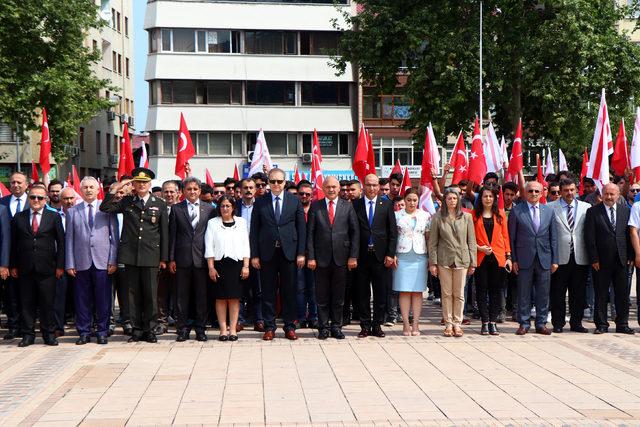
187, 225
277, 238
37, 261
534, 252
14, 203
332, 248
144, 247
378, 237
609, 248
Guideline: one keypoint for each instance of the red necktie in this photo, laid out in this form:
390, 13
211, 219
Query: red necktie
34, 222
331, 212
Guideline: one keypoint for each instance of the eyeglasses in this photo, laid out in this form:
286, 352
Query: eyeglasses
276, 181
304, 194
634, 190
533, 191
231, 187
34, 197
219, 192
261, 185
555, 193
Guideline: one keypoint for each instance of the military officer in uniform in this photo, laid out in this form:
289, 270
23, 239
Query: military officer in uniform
143, 248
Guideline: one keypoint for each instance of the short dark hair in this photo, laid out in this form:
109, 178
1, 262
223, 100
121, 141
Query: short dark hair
587, 180
154, 189
355, 182
565, 183
409, 191
261, 176
19, 173
206, 189
510, 186
304, 183
397, 176
551, 177
397, 199
554, 184
288, 185
491, 175
618, 178
191, 179
52, 183
344, 182
463, 182
230, 181
123, 177
383, 181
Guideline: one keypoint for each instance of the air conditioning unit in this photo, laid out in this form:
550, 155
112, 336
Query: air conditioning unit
249, 156
113, 159
307, 158
111, 115
124, 118
131, 122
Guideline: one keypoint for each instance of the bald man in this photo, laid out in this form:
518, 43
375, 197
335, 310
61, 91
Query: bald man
609, 249
332, 249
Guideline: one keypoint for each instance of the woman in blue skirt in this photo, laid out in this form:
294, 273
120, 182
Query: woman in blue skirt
410, 276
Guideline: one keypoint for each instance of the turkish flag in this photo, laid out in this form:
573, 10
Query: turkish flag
100, 190
185, 148
4, 191
125, 162
45, 145
34, 172
316, 167
371, 158
397, 168
296, 175
515, 163
430, 159
361, 158
620, 158
208, 179
477, 163
601, 147
406, 182
583, 170
236, 174
500, 198
540, 179
459, 161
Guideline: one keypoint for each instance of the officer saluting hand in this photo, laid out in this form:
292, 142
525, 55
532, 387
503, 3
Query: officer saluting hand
143, 248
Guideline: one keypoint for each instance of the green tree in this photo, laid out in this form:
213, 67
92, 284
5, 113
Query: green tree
544, 61
43, 63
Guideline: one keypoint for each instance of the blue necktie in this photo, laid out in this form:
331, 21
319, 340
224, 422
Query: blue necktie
277, 209
370, 223
17, 207
91, 217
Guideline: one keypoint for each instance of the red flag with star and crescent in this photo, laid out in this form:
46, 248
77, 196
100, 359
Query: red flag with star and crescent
185, 148
45, 145
459, 161
125, 163
477, 162
316, 167
515, 163
361, 167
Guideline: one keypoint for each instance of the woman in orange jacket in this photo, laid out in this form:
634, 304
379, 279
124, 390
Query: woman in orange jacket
494, 256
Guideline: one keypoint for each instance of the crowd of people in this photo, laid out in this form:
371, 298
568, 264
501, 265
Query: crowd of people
245, 253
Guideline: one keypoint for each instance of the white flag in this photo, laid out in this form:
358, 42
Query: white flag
505, 156
635, 144
548, 166
562, 162
601, 147
492, 150
260, 155
426, 201
435, 153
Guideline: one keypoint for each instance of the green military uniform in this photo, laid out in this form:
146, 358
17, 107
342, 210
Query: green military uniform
144, 243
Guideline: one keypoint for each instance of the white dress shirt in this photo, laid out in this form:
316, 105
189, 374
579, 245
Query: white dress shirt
366, 206
245, 212
38, 217
194, 208
13, 203
231, 242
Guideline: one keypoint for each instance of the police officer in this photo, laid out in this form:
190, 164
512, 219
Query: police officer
144, 247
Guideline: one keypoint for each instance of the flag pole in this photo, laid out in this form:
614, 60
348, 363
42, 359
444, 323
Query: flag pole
480, 110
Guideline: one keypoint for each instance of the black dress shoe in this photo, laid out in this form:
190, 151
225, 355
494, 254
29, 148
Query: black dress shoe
313, 324
337, 334
26, 341
201, 336
233, 338
580, 329
151, 338
84, 339
493, 329
625, 330
50, 341
599, 331
102, 340
127, 329
364, 333
323, 334
223, 338
557, 330
182, 336
378, 332
484, 330
134, 338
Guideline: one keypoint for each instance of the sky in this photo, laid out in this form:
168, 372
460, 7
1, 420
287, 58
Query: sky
140, 47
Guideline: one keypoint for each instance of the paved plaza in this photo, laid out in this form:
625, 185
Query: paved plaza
562, 379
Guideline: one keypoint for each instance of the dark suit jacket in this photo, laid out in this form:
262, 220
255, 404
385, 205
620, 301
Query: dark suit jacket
605, 246
291, 230
384, 230
4, 201
144, 241
338, 242
41, 253
5, 236
526, 243
186, 245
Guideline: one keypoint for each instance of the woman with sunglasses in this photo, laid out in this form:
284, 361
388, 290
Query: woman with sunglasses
494, 255
452, 256
227, 252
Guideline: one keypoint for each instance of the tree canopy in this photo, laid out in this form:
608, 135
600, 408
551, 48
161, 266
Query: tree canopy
544, 61
43, 63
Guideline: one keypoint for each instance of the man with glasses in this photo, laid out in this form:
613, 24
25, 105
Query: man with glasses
307, 311
252, 300
344, 189
230, 187
37, 261
143, 249
260, 178
534, 251
634, 189
554, 192
278, 237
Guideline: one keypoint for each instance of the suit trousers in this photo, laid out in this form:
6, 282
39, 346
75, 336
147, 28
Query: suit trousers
371, 274
489, 282
166, 295
350, 297
251, 304
330, 285
11, 302
616, 277
63, 290
533, 279
571, 277
37, 293
92, 295
278, 267
306, 295
191, 292
142, 288
452, 282
119, 291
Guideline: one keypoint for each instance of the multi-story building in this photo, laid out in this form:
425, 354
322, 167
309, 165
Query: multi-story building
235, 67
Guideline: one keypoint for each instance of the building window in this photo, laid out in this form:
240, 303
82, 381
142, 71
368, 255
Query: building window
271, 93
270, 42
154, 38
222, 92
113, 18
325, 93
126, 26
115, 61
126, 67
388, 150
388, 107
168, 143
98, 142
95, 45
197, 92
118, 21
166, 40
331, 144
319, 42
220, 143
81, 138
183, 40
108, 143
280, 143
119, 64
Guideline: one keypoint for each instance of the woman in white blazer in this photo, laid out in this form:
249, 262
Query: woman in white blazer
227, 252
410, 276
